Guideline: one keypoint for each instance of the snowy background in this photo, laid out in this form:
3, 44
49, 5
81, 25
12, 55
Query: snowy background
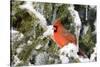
29, 20
22, 35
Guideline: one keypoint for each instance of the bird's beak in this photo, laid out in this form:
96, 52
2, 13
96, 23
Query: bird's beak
54, 28
49, 31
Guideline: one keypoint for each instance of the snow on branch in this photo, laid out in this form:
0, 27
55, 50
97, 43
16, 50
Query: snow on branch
42, 21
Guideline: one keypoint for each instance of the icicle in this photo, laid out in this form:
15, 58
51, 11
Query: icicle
86, 13
54, 13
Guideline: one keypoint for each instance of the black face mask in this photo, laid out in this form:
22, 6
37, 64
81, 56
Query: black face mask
55, 28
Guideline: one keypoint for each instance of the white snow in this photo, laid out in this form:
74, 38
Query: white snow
29, 64
16, 60
85, 29
75, 15
29, 42
28, 5
92, 6
16, 35
14, 31
22, 45
77, 21
95, 24
18, 50
41, 58
83, 60
67, 51
38, 46
64, 59
93, 55
49, 31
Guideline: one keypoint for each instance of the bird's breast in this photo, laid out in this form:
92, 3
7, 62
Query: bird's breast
63, 39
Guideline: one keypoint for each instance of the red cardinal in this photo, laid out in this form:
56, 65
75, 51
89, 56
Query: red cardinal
61, 36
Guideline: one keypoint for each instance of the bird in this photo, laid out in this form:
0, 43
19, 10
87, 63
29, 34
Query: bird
64, 39
61, 35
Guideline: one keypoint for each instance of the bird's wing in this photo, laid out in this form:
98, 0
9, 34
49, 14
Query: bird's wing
70, 37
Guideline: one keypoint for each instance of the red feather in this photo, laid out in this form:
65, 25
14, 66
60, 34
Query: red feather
61, 35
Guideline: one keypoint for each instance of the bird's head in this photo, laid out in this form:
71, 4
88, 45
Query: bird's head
57, 25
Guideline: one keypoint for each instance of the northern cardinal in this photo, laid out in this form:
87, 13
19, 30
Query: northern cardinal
62, 36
